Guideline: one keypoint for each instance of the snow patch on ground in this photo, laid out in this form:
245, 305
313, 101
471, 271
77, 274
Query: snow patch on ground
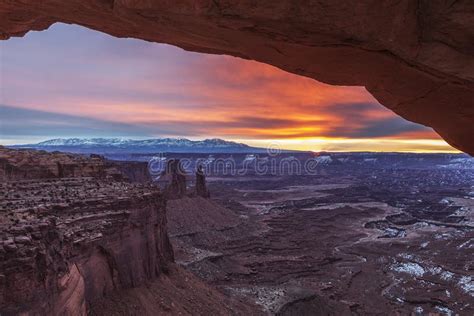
198, 255
467, 244
444, 310
270, 298
446, 275
410, 268
466, 283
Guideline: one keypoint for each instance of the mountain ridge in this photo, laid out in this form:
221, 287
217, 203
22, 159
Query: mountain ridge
152, 145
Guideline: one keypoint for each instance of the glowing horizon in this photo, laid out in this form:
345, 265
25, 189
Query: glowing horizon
318, 144
99, 86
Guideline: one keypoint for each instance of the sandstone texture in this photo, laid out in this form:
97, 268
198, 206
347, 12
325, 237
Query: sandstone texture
177, 183
415, 57
201, 187
134, 171
25, 164
87, 242
32, 164
68, 242
179, 292
175, 178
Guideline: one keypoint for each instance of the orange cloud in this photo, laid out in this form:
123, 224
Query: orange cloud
164, 91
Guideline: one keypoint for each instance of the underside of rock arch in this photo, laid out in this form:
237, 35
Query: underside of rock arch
415, 57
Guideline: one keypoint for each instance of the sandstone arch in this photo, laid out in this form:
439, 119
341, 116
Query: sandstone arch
415, 57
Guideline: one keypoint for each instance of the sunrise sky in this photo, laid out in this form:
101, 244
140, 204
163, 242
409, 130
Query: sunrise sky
73, 82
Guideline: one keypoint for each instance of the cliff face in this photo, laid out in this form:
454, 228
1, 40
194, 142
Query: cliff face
175, 176
72, 244
60, 252
134, 171
36, 164
415, 57
201, 187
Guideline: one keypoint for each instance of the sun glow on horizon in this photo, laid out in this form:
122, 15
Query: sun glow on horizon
135, 89
355, 145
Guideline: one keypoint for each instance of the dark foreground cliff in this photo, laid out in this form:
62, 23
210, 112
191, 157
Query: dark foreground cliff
21, 164
91, 245
68, 242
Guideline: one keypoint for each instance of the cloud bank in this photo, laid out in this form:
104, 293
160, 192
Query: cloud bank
70, 81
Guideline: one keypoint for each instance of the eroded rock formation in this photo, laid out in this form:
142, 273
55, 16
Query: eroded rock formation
33, 164
175, 177
134, 171
201, 187
415, 57
22, 164
83, 243
65, 243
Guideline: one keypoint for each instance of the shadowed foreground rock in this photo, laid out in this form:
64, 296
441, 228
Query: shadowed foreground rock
415, 57
201, 187
68, 242
90, 245
33, 164
175, 176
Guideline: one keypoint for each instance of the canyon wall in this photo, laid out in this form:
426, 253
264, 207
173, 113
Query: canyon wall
60, 256
37, 164
21, 164
175, 177
201, 186
415, 57
91, 245
134, 171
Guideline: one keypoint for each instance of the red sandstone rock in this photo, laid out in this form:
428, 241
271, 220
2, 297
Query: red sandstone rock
201, 187
89, 246
175, 176
71, 241
177, 293
33, 164
415, 57
30, 164
74, 234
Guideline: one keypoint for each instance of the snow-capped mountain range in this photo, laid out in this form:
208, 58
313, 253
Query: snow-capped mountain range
126, 145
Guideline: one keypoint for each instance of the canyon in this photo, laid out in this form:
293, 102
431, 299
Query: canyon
69, 241
414, 57
357, 234
89, 242
361, 234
